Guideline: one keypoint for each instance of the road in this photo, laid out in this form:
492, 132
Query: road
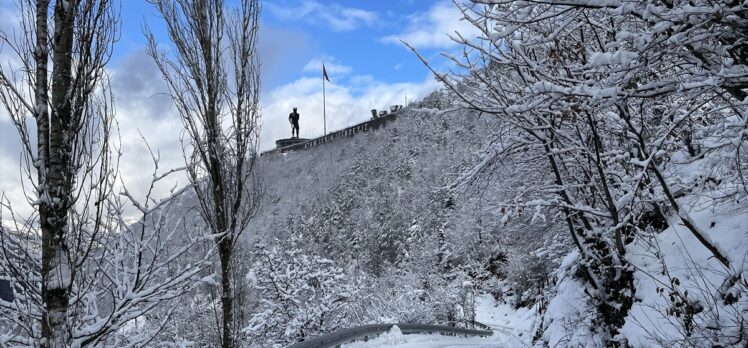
392, 332
396, 339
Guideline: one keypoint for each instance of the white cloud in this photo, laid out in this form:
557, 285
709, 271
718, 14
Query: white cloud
333, 68
432, 28
346, 104
336, 17
143, 108
12, 181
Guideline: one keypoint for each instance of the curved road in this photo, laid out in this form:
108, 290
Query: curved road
345, 335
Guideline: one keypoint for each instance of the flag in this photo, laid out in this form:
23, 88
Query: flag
324, 73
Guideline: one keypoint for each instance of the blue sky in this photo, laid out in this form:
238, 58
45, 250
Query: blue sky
358, 40
360, 35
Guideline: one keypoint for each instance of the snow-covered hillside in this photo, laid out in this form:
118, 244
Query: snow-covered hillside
411, 223
581, 180
380, 206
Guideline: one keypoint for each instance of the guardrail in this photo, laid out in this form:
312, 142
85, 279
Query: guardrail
346, 335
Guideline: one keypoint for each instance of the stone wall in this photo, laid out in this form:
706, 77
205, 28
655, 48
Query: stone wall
372, 124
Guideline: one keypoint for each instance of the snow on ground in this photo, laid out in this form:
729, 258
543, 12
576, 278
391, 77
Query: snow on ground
396, 339
514, 325
687, 273
697, 276
568, 315
512, 328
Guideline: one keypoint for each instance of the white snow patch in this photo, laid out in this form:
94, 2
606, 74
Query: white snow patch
568, 315
515, 325
698, 274
610, 58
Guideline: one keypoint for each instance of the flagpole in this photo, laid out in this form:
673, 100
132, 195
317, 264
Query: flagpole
324, 102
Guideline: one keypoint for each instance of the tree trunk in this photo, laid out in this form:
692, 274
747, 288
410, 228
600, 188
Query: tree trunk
56, 180
607, 272
225, 240
42, 126
227, 294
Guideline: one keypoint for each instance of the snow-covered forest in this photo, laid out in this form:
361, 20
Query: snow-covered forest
581, 180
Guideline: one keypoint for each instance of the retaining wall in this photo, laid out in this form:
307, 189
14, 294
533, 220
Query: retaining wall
374, 123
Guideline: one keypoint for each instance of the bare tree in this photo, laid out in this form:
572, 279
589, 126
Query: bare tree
67, 118
81, 273
213, 75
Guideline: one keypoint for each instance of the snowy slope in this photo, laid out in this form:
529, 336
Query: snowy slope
686, 276
689, 270
374, 206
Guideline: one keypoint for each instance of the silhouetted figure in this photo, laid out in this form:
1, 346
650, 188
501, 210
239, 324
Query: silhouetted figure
294, 119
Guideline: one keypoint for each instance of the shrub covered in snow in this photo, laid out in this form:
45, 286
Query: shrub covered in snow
296, 296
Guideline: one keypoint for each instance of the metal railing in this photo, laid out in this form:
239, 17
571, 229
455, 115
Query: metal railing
369, 331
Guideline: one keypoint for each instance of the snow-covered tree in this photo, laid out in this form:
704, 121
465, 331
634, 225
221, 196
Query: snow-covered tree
212, 73
298, 296
66, 110
608, 97
124, 280
82, 274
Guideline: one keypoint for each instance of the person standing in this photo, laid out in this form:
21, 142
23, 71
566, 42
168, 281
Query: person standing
294, 119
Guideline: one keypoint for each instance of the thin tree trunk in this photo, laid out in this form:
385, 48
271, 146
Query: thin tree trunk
42, 126
227, 296
614, 281
56, 176
198, 82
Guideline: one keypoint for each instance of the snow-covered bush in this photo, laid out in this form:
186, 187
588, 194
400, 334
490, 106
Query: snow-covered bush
528, 276
295, 296
416, 295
